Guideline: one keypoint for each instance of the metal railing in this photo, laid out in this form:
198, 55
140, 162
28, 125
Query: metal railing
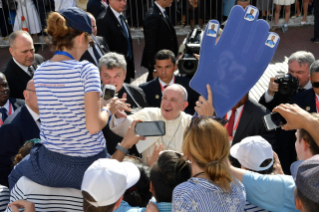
184, 14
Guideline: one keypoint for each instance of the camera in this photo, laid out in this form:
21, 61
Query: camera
188, 63
288, 84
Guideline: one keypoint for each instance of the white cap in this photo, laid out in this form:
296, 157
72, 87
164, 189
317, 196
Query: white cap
252, 151
106, 180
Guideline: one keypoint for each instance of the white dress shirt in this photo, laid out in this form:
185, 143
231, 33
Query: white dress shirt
34, 115
317, 96
24, 68
238, 112
117, 15
269, 98
163, 84
90, 50
161, 9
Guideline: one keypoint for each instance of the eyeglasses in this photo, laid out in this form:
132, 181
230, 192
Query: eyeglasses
315, 84
30, 90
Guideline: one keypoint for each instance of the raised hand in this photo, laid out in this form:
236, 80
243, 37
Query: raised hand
234, 64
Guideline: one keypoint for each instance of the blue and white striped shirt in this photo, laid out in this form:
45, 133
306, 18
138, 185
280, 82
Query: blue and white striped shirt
4, 197
253, 208
60, 88
201, 195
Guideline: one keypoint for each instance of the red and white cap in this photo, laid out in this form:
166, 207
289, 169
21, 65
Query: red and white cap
252, 151
106, 180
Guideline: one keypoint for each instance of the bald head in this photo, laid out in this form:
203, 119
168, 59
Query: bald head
174, 101
31, 97
21, 48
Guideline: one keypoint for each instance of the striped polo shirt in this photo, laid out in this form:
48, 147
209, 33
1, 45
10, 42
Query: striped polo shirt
4, 197
46, 198
60, 88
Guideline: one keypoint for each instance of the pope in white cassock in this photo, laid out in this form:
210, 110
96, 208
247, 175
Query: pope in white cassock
174, 101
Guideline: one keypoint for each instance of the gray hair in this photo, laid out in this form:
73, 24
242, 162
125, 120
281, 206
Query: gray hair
302, 57
314, 68
184, 91
15, 34
112, 60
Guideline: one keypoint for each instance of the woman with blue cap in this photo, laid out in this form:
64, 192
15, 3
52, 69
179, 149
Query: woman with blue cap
68, 94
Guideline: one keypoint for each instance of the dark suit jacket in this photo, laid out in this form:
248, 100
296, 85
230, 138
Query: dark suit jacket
251, 124
16, 130
153, 92
277, 100
16, 103
17, 78
159, 34
102, 45
111, 138
110, 28
95, 7
286, 145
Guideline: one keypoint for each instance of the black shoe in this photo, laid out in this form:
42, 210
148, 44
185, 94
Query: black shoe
315, 40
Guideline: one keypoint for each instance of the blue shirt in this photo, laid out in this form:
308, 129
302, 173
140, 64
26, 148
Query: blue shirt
250, 17
60, 88
211, 31
162, 207
270, 192
270, 42
198, 194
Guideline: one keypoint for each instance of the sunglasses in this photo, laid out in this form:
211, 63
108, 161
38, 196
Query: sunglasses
315, 84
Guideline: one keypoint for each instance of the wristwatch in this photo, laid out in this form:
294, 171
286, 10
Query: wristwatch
122, 149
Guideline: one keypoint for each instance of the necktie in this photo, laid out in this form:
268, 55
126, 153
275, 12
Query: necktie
165, 86
30, 71
39, 120
125, 30
4, 114
96, 54
231, 122
165, 15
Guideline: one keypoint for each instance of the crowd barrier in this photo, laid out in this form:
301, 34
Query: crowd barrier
184, 14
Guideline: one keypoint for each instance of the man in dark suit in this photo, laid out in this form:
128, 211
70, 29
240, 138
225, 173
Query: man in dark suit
298, 66
99, 47
159, 34
245, 119
307, 100
165, 67
112, 72
20, 68
21, 126
95, 7
114, 28
7, 105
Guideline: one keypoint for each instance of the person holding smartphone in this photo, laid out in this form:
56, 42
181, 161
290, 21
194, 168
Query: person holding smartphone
68, 94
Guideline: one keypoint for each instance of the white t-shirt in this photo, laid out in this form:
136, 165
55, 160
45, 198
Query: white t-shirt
61, 4
60, 88
47, 198
4, 196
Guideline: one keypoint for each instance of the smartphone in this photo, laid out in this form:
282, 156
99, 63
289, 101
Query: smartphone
274, 120
150, 128
108, 92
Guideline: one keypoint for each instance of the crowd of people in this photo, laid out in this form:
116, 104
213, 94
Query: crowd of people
63, 147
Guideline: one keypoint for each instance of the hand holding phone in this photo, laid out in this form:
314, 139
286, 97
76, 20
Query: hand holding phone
273, 121
150, 128
108, 92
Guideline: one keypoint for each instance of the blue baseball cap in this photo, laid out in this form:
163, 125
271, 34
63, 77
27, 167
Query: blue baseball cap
77, 19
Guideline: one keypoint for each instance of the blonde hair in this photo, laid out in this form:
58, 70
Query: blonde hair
62, 35
206, 142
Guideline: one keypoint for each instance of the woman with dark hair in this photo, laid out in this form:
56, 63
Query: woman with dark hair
211, 187
68, 94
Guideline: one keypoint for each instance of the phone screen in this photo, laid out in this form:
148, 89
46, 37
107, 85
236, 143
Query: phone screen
273, 121
150, 128
108, 92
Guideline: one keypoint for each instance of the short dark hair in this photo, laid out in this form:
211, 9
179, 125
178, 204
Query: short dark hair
139, 194
242, 1
308, 204
167, 172
303, 134
164, 55
87, 207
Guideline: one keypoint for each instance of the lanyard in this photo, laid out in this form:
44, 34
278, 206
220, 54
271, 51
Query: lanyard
236, 125
162, 89
317, 103
10, 112
63, 53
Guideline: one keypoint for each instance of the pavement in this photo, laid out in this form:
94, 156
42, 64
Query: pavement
295, 39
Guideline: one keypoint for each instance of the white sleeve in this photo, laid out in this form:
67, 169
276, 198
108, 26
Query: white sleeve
268, 98
118, 121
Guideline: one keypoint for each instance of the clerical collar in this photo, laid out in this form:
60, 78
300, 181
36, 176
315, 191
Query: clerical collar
161, 8
34, 115
117, 14
164, 84
308, 86
6, 105
24, 68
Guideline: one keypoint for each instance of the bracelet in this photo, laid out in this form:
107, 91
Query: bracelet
107, 110
122, 149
